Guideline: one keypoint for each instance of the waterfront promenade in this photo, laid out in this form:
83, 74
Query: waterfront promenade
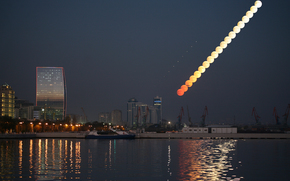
81, 135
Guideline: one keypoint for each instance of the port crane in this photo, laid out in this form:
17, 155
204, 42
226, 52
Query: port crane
145, 116
286, 115
205, 112
180, 117
254, 112
137, 118
189, 118
276, 116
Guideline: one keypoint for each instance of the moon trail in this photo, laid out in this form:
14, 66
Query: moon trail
219, 49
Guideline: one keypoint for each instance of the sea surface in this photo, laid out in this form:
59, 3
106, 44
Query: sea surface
144, 159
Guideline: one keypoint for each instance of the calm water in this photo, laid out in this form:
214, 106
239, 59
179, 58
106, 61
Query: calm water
142, 159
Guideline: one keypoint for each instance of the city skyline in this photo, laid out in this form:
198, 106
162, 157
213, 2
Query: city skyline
113, 51
51, 93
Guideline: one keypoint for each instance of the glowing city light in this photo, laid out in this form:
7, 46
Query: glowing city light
219, 49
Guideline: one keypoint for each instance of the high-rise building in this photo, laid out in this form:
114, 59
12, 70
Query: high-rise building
153, 115
105, 117
144, 114
7, 101
140, 114
116, 117
131, 112
157, 103
51, 92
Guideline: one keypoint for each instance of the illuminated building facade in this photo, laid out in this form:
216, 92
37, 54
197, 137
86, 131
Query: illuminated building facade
157, 103
51, 92
7, 101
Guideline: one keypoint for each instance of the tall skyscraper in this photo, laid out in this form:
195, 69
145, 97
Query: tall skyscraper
51, 92
140, 114
131, 112
157, 103
7, 102
153, 115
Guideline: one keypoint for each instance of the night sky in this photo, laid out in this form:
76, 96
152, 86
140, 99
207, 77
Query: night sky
115, 50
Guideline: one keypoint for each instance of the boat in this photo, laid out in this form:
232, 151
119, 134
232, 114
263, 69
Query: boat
114, 134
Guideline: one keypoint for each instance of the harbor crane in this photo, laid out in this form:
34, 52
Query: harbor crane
286, 114
276, 116
137, 118
205, 112
180, 117
254, 112
145, 116
189, 118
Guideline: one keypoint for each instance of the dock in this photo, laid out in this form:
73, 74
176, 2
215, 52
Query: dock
212, 136
151, 135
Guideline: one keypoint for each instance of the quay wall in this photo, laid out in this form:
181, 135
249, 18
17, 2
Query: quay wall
60, 135
213, 136
18, 136
155, 135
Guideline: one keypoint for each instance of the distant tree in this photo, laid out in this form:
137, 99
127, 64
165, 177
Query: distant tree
7, 123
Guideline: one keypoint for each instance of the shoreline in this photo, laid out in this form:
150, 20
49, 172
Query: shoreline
81, 135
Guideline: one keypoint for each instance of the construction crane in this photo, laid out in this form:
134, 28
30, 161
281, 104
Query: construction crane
254, 112
137, 118
145, 116
189, 118
276, 116
205, 112
286, 115
180, 117
86, 119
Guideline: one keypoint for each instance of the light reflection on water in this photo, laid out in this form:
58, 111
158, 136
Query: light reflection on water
80, 159
206, 160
